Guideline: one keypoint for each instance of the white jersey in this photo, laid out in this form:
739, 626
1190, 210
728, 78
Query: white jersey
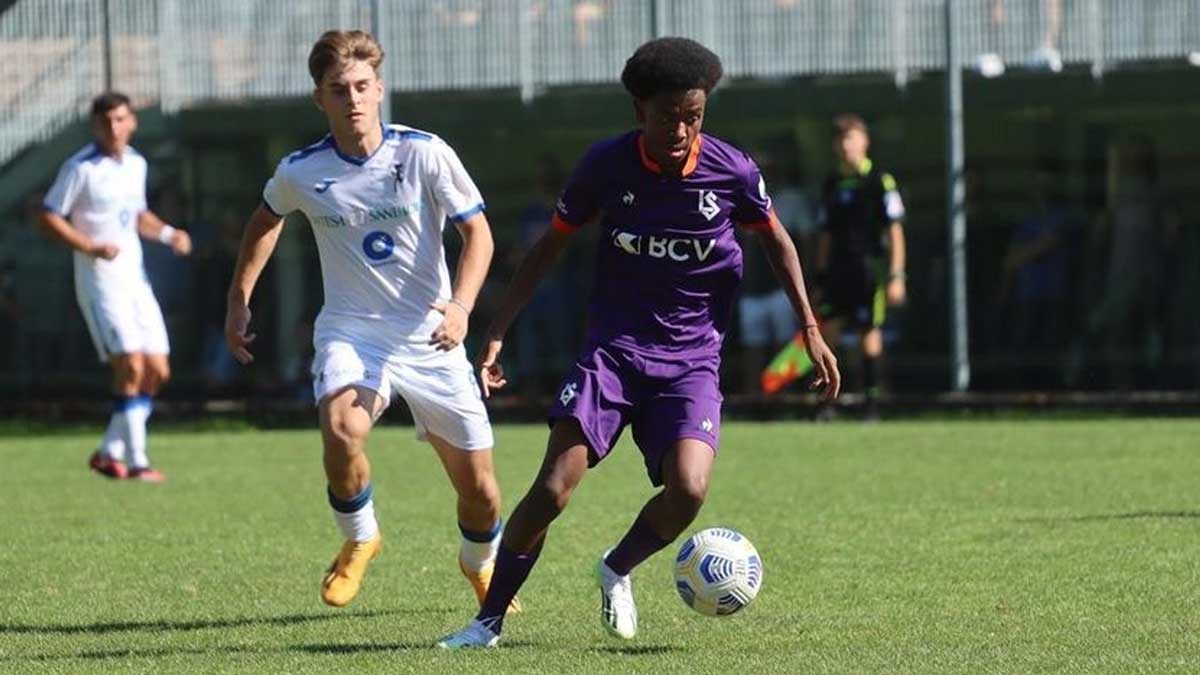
102, 196
378, 223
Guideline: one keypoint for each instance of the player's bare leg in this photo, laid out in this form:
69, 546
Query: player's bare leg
473, 476
346, 418
564, 465
685, 472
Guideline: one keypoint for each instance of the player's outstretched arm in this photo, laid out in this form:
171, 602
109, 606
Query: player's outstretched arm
781, 253
150, 226
258, 241
472, 269
533, 268
60, 229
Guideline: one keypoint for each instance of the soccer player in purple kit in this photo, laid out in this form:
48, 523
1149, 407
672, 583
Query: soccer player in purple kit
667, 198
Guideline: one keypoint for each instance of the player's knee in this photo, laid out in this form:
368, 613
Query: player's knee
345, 434
131, 373
551, 495
161, 372
482, 492
686, 495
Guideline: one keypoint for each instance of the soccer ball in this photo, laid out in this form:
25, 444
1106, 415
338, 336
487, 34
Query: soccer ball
718, 571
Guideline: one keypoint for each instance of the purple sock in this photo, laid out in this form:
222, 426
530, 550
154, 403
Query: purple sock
639, 543
512, 569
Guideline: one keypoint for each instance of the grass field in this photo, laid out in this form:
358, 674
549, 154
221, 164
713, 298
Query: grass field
923, 547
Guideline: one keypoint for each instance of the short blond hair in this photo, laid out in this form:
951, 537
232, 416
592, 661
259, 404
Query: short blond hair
340, 47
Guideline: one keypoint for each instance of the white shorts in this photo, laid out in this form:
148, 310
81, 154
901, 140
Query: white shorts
123, 322
767, 320
441, 392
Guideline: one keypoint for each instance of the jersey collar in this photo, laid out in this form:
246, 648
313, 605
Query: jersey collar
359, 161
693, 158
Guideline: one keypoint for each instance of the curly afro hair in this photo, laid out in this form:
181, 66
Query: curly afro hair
671, 64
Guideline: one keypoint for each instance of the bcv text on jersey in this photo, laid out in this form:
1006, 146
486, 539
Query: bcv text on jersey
679, 250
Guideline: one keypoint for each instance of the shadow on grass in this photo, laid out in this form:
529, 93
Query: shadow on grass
1134, 515
337, 648
135, 653
105, 627
640, 650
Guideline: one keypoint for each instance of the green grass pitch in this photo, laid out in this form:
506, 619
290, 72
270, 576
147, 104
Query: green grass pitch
924, 547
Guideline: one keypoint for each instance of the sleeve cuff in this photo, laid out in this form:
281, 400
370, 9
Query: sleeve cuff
463, 215
268, 207
561, 225
51, 209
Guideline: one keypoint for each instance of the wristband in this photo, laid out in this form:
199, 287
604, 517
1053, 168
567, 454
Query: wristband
897, 276
167, 234
456, 301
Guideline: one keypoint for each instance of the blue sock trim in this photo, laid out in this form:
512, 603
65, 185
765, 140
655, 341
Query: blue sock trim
123, 403
482, 537
353, 504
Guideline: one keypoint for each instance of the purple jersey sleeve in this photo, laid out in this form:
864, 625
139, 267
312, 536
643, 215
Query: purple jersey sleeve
752, 204
579, 199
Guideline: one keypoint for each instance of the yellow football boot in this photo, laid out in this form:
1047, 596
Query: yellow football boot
345, 574
481, 580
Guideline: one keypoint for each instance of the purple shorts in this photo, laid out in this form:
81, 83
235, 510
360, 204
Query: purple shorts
664, 399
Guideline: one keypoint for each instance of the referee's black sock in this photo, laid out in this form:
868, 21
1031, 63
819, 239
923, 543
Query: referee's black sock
871, 377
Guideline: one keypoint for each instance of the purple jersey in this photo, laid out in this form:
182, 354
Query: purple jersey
668, 265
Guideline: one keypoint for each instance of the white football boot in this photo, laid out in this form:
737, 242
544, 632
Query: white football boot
475, 636
617, 610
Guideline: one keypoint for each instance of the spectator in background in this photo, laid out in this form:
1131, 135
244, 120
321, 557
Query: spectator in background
544, 329
1136, 229
1036, 281
216, 257
860, 254
1045, 56
172, 277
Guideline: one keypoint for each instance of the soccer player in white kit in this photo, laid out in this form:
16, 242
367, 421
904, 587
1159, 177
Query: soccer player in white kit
97, 206
392, 323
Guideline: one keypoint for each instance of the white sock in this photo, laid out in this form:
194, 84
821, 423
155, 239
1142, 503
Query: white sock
113, 445
358, 525
476, 555
355, 516
136, 415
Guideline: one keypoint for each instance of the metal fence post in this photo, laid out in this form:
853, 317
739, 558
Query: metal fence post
379, 27
955, 206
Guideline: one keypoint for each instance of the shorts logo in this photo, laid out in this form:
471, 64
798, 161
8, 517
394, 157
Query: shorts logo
707, 425
378, 245
628, 198
568, 393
